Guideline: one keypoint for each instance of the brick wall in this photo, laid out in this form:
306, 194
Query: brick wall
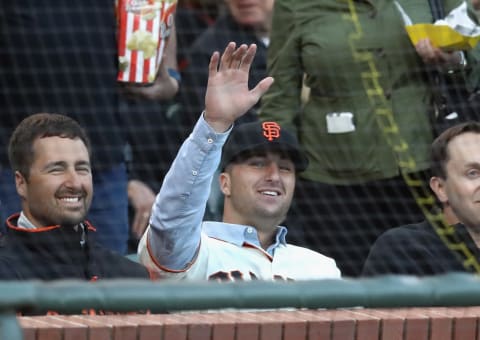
354, 324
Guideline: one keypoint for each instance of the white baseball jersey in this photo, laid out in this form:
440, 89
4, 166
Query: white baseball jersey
223, 260
178, 245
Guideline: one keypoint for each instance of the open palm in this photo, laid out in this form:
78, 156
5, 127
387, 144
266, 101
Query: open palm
228, 96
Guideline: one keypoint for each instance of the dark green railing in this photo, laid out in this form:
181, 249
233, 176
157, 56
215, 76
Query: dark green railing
133, 295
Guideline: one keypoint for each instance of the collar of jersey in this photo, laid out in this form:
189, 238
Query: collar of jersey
240, 234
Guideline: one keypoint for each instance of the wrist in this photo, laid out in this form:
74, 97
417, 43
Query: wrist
217, 124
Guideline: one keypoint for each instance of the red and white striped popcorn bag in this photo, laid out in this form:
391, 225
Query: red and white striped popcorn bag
143, 30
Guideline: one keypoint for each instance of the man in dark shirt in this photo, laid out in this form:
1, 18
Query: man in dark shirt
50, 238
419, 249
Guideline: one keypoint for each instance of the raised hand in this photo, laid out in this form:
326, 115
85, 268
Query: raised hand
228, 96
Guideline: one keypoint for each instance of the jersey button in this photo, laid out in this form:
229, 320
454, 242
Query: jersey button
210, 141
249, 230
194, 172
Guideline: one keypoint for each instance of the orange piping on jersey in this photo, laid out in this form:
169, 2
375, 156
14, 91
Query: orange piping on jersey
165, 269
248, 245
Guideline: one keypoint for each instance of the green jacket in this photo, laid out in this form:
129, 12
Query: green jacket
356, 59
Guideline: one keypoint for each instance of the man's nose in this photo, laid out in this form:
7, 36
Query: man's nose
272, 171
72, 179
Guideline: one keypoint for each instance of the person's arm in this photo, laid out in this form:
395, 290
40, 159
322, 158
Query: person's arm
173, 237
141, 197
282, 102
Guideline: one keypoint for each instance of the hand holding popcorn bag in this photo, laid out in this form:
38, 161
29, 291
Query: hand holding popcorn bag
143, 30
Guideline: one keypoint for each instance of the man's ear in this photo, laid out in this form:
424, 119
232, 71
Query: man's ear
437, 185
21, 184
224, 180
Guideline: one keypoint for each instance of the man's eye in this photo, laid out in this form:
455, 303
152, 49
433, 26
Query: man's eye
286, 165
286, 168
473, 173
84, 170
257, 164
55, 170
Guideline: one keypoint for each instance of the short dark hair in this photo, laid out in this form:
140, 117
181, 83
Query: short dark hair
40, 125
439, 150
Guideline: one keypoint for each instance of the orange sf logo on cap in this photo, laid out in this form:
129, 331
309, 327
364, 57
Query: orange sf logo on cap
271, 130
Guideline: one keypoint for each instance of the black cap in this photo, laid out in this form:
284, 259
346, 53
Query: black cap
258, 136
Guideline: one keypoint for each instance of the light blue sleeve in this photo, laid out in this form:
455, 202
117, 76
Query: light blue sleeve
175, 224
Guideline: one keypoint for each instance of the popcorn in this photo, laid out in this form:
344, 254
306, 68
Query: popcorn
143, 41
143, 30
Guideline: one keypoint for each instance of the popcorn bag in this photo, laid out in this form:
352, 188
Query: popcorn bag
143, 30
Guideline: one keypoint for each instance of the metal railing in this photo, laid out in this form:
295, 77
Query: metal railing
71, 297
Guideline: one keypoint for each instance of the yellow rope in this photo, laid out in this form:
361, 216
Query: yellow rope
406, 163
